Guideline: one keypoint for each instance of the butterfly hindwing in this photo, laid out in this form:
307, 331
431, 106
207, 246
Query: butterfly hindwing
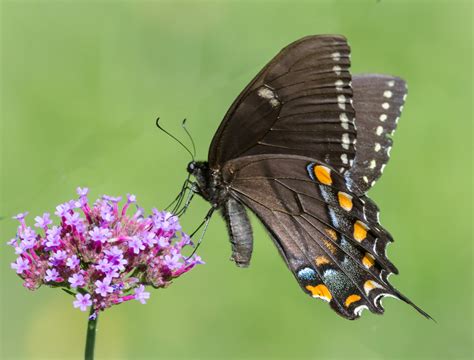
300, 103
378, 103
331, 243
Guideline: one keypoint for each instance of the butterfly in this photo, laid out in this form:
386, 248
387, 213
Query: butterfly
300, 147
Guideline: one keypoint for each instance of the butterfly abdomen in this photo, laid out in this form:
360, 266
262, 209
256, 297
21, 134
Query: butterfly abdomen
240, 231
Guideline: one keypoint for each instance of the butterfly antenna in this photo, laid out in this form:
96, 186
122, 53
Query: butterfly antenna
190, 137
173, 137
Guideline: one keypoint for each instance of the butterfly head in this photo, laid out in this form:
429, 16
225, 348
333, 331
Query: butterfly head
197, 168
200, 171
191, 167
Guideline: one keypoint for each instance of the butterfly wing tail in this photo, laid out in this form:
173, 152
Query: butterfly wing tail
408, 301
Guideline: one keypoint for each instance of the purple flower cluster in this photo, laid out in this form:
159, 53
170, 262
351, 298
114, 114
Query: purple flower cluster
101, 255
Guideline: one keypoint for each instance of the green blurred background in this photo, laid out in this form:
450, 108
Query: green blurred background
82, 82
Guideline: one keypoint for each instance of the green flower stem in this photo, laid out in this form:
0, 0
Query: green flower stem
90, 339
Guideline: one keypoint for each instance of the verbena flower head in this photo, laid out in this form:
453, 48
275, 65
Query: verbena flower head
99, 253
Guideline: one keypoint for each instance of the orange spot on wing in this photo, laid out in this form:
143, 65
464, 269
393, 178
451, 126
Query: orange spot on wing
332, 234
320, 291
360, 231
321, 260
368, 260
351, 299
330, 246
323, 174
370, 285
345, 200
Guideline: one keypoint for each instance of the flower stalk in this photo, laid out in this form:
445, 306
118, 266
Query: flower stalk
90, 337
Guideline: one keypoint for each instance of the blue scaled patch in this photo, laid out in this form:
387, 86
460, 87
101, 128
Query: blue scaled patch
309, 168
307, 274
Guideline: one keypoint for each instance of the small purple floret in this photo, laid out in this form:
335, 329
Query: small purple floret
72, 219
20, 216
43, 221
82, 302
12, 242
77, 280
172, 260
136, 244
73, 262
141, 295
103, 287
82, 191
62, 209
20, 265
100, 234
104, 265
51, 275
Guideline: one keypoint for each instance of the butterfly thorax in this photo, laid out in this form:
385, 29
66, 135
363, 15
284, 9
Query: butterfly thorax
211, 186
208, 183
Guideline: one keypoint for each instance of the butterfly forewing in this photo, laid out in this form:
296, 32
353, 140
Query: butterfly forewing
300, 103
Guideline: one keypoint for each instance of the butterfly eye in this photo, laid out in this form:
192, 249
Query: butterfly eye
191, 167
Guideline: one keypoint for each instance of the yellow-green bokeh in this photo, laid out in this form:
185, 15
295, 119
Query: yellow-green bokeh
82, 82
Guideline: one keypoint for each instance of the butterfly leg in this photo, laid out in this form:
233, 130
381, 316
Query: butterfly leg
188, 187
240, 232
204, 223
189, 198
180, 195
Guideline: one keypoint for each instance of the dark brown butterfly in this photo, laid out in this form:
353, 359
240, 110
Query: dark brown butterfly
286, 150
